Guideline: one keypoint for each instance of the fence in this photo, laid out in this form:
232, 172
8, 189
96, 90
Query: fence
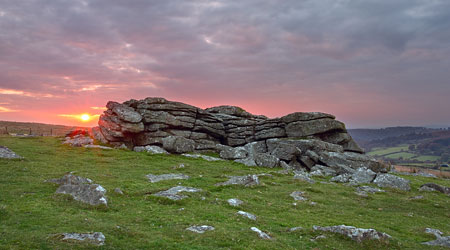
35, 131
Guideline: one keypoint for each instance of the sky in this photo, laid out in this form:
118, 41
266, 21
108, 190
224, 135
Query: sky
372, 63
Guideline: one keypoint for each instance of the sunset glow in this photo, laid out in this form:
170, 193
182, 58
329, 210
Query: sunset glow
371, 64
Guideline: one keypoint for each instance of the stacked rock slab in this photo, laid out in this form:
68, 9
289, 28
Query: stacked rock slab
300, 139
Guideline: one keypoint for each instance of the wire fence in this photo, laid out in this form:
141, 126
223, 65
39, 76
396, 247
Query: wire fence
35, 131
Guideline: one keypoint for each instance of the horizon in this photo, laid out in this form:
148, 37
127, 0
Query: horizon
371, 64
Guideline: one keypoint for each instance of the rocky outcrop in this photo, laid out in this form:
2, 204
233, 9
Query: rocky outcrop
295, 141
148, 121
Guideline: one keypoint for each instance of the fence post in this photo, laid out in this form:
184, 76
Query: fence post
30, 132
51, 132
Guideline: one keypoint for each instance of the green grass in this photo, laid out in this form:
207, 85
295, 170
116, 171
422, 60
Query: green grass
428, 158
405, 155
30, 212
385, 151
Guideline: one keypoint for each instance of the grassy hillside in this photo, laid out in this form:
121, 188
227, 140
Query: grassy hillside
30, 212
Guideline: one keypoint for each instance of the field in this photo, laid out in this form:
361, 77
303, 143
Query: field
31, 213
403, 156
40, 129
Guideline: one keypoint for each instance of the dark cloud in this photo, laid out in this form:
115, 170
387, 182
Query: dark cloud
352, 58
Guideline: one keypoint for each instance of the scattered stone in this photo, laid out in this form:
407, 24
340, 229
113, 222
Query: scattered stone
365, 190
418, 197
235, 202
78, 141
293, 229
204, 157
298, 196
261, 234
178, 144
150, 149
230, 153
92, 194
312, 203
343, 178
118, 191
435, 187
7, 153
96, 146
266, 160
357, 234
363, 175
323, 170
172, 193
70, 179
440, 240
200, 229
179, 166
303, 176
163, 177
286, 166
319, 237
96, 238
246, 180
248, 215
392, 181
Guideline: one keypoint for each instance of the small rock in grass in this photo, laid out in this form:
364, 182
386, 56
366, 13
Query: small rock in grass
200, 229
172, 193
392, 181
96, 238
248, 215
235, 202
357, 234
156, 178
303, 176
204, 157
298, 196
293, 229
440, 240
418, 197
118, 191
319, 237
7, 153
261, 234
247, 180
432, 187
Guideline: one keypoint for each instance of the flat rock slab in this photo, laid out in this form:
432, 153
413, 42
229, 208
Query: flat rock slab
92, 194
365, 190
172, 193
435, 188
81, 189
200, 229
204, 157
260, 233
298, 196
392, 181
356, 234
156, 178
7, 153
97, 146
440, 240
246, 180
247, 215
234, 202
303, 176
150, 149
96, 238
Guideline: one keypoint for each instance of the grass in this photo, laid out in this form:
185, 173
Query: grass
386, 151
31, 214
404, 155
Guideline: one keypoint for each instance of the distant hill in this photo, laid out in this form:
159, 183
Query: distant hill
405, 145
32, 128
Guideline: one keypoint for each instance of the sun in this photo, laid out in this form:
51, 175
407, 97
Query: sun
85, 117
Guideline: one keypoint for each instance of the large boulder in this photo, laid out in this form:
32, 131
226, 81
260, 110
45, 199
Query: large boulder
178, 144
392, 181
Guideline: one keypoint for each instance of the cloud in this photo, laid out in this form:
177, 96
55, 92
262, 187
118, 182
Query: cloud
293, 55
